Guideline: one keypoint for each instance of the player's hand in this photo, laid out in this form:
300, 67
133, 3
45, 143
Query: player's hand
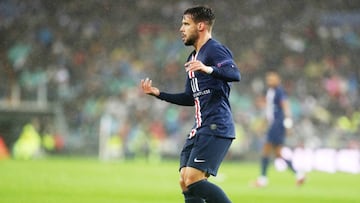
146, 86
198, 66
288, 123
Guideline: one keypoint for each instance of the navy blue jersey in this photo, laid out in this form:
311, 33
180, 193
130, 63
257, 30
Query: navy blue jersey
274, 99
209, 93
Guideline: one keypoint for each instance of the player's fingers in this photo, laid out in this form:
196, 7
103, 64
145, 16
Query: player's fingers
195, 67
150, 84
196, 63
192, 69
142, 84
147, 80
145, 83
187, 64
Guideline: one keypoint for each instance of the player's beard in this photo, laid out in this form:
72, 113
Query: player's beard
190, 41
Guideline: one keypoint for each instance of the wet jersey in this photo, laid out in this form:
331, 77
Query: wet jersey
209, 93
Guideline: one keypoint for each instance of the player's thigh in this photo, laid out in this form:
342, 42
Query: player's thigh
185, 154
208, 152
267, 149
278, 149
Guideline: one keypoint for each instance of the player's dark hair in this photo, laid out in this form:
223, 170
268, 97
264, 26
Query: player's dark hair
201, 14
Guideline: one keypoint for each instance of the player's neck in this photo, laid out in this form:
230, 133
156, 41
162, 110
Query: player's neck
201, 41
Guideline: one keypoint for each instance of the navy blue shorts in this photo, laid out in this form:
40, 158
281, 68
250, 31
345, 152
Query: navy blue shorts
276, 133
205, 152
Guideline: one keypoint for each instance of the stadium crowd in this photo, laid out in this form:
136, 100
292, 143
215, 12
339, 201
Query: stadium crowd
91, 55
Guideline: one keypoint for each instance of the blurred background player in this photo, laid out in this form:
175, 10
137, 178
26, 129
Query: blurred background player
210, 70
278, 115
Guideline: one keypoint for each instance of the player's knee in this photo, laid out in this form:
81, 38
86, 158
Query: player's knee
278, 152
189, 180
182, 184
193, 178
182, 179
265, 154
278, 155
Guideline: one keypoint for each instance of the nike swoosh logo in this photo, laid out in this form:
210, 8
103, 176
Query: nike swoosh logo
199, 160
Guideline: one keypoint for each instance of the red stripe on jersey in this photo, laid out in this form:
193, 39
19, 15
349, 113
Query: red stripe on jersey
193, 59
197, 104
197, 112
197, 117
192, 133
191, 74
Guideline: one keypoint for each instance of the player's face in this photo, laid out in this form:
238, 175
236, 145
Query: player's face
272, 80
189, 31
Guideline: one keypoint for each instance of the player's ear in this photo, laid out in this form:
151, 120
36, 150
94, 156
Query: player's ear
201, 26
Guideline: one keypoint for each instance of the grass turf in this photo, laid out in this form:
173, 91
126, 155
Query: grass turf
73, 180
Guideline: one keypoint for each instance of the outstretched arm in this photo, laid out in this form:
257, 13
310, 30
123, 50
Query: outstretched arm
183, 99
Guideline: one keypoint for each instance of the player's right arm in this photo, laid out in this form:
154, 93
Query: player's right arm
285, 105
288, 122
183, 99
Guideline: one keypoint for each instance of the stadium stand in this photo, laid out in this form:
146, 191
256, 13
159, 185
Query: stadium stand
88, 57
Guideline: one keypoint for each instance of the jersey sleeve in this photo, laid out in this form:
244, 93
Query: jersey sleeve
224, 66
183, 99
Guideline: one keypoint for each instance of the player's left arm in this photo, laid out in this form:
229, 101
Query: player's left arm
224, 67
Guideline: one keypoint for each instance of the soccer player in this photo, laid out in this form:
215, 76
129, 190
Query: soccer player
210, 69
278, 115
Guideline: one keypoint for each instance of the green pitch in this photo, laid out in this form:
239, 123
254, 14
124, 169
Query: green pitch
90, 181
